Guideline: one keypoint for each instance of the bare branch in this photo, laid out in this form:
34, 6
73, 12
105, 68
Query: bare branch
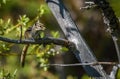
112, 22
114, 71
72, 33
81, 64
46, 40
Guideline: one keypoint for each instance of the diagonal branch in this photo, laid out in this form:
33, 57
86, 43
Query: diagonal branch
112, 22
71, 32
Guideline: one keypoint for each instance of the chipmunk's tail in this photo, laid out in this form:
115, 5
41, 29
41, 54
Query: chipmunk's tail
23, 55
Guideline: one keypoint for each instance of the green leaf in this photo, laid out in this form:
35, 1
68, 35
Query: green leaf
23, 20
42, 34
41, 10
64, 49
55, 34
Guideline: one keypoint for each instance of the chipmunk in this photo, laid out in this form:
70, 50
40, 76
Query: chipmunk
32, 33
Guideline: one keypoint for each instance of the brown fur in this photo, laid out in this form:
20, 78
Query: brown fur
30, 34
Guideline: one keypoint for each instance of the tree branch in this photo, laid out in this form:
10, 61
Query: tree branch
46, 40
71, 32
112, 23
81, 64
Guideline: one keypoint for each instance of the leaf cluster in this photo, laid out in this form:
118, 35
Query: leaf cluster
7, 75
42, 52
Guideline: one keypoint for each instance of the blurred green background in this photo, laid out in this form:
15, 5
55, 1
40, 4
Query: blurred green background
90, 24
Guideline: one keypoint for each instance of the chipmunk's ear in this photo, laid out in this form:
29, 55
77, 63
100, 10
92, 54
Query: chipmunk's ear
38, 23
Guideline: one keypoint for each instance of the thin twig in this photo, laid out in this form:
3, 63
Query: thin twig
14, 54
21, 33
81, 64
116, 47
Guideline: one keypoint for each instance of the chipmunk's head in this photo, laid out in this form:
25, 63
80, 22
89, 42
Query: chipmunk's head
38, 26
